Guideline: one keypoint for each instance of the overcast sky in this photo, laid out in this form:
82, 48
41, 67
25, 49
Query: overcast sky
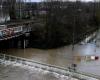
64, 0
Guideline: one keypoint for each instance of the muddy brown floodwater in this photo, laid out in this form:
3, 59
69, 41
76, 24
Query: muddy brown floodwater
64, 56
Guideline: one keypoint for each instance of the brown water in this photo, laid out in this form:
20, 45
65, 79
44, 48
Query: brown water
65, 56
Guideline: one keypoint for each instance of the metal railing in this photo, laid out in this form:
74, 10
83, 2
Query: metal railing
48, 67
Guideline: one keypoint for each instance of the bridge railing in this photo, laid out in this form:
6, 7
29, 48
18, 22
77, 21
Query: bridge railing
48, 67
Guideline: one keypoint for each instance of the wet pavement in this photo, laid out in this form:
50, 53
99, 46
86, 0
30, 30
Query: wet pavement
22, 72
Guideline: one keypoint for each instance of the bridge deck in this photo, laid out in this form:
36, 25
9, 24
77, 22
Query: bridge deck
15, 28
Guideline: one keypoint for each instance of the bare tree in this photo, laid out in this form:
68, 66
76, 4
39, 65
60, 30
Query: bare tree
12, 11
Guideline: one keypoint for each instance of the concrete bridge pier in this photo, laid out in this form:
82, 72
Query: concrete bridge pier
12, 43
21, 41
24, 41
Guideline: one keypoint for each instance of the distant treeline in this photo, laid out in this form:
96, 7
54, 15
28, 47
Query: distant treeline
61, 23
65, 23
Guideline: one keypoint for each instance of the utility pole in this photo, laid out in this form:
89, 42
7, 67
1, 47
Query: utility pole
72, 67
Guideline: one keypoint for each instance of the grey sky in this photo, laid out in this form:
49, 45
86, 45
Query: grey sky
33, 0
64, 0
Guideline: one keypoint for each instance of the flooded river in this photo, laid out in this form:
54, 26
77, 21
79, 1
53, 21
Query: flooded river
61, 56
65, 56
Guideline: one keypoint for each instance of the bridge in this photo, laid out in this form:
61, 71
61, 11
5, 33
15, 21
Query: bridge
14, 29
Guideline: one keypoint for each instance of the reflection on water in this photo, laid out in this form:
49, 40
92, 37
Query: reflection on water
55, 57
64, 56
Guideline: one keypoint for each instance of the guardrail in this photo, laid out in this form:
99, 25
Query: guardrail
51, 68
